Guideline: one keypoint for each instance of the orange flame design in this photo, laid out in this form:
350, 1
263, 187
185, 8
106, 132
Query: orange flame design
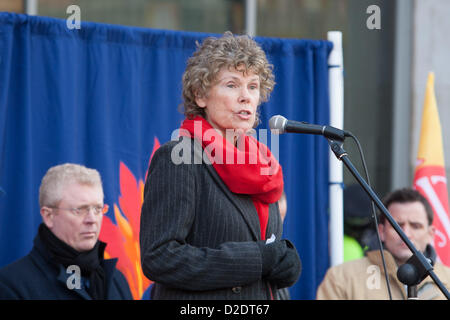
123, 239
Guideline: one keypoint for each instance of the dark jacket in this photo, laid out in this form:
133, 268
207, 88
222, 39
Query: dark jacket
36, 277
198, 239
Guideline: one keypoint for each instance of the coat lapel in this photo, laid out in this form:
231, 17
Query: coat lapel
63, 278
109, 267
242, 202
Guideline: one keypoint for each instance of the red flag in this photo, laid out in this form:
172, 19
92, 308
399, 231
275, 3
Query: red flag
430, 178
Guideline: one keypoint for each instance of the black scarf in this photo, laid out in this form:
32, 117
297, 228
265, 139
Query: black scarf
88, 261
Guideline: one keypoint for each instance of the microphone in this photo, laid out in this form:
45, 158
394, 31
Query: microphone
283, 125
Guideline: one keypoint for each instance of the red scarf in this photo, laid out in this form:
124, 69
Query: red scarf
259, 176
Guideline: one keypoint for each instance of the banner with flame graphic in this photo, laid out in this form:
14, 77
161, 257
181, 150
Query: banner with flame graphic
123, 238
430, 178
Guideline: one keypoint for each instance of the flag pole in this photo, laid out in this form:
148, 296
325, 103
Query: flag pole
336, 207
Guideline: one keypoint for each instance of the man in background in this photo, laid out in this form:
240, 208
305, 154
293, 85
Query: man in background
66, 261
363, 279
359, 226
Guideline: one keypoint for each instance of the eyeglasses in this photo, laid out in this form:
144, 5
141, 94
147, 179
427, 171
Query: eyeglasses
84, 210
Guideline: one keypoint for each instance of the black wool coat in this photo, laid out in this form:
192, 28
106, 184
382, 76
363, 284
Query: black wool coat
198, 239
37, 277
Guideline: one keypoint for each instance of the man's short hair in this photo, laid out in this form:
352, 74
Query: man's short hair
407, 195
57, 177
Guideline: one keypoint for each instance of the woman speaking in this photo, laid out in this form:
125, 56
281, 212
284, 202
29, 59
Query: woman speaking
210, 223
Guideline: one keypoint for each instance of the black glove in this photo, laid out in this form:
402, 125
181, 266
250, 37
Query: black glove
271, 254
287, 271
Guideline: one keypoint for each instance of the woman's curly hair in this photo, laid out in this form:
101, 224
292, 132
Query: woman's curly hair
229, 51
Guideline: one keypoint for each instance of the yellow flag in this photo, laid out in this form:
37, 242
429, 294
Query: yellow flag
430, 146
430, 178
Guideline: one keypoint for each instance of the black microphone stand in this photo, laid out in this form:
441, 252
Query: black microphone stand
418, 266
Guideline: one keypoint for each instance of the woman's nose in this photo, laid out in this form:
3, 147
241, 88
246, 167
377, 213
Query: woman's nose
244, 96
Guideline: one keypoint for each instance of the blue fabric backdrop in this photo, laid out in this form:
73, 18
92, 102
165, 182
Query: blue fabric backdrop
99, 96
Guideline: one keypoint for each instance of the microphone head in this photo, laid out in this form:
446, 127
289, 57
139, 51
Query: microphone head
277, 124
408, 274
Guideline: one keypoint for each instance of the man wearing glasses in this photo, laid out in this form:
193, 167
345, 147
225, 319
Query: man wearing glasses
66, 261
